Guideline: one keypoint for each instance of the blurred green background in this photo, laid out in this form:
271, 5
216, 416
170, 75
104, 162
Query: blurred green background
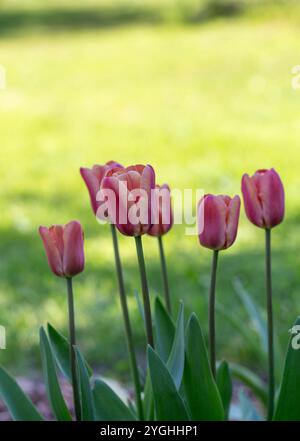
199, 89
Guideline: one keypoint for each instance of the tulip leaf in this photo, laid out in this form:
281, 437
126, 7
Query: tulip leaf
148, 398
251, 380
108, 406
164, 330
288, 404
202, 395
54, 394
258, 328
61, 350
176, 359
86, 398
254, 314
169, 405
139, 304
170, 347
19, 405
224, 383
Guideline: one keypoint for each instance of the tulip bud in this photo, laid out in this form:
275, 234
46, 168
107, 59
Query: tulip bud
131, 188
263, 196
218, 218
161, 216
93, 178
64, 248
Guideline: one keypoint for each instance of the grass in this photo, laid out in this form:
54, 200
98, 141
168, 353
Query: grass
202, 104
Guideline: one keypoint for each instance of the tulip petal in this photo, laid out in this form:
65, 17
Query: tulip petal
118, 208
133, 179
162, 214
212, 210
233, 213
73, 261
93, 185
52, 251
93, 178
148, 179
271, 193
138, 168
253, 207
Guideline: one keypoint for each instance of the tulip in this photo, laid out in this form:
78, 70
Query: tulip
93, 178
263, 195
131, 187
218, 218
64, 249
132, 190
162, 218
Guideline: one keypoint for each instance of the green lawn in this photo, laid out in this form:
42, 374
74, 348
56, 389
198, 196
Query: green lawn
202, 104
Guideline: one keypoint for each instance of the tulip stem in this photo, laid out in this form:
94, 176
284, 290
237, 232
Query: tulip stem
164, 274
72, 350
271, 378
212, 297
127, 325
145, 290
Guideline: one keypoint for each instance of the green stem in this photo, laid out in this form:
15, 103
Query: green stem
271, 378
212, 296
164, 274
127, 325
72, 351
145, 290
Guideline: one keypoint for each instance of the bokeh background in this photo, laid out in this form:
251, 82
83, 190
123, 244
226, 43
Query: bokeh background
200, 89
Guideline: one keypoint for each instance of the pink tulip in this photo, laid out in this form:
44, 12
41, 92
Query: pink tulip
64, 248
131, 187
263, 195
218, 218
93, 178
162, 215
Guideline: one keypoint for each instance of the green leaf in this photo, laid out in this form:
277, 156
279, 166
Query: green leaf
148, 399
259, 326
164, 330
176, 360
86, 398
251, 380
54, 394
61, 350
139, 304
169, 406
254, 314
108, 406
202, 395
19, 405
224, 383
288, 404
170, 347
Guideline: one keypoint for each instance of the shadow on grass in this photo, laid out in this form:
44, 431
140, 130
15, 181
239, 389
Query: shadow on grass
67, 19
